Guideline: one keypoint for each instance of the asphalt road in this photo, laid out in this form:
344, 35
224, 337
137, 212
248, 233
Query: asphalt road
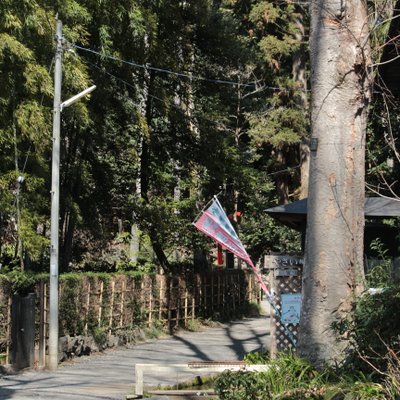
111, 375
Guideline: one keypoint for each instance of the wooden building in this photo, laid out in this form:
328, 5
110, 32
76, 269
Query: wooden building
377, 209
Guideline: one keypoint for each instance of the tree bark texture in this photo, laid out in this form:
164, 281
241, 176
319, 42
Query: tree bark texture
333, 272
300, 76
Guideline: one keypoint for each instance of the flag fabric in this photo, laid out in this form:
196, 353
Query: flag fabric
215, 224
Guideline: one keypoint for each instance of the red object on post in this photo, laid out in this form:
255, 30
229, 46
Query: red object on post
220, 255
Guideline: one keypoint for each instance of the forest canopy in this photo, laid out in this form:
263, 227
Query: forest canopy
193, 99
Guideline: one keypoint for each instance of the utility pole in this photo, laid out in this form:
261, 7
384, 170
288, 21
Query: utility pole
55, 205
55, 196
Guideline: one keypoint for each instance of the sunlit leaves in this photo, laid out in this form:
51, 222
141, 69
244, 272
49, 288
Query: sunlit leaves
33, 122
264, 12
11, 22
277, 126
38, 80
13, 50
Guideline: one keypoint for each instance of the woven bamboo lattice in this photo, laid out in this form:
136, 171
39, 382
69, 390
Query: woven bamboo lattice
285, 277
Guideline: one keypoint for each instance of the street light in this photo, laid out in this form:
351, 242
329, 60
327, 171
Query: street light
55, 198
75, 98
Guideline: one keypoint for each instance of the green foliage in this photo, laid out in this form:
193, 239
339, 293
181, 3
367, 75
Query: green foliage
284, 374
99, 335
148, 148
291, 378
278, 127
357, 389
257, 358
155, 330
22, 282
194, 325
71, 321
380, 275
372, 325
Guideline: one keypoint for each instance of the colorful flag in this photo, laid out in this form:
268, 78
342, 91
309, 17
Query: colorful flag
215, 223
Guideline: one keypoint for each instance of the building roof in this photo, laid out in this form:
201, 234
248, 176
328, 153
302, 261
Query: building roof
294, 214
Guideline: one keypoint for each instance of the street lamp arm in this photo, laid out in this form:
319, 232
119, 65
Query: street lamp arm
76, 97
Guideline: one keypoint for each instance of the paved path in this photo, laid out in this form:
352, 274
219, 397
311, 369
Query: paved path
111, 375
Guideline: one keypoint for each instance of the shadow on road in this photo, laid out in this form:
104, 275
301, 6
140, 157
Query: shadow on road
238, 344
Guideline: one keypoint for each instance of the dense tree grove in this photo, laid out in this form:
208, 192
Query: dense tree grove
193, 99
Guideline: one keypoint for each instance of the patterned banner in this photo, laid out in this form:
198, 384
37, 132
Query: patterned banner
215, 224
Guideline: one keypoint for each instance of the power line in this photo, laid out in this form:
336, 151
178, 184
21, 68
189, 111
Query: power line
167, 71
283, 171
124, 82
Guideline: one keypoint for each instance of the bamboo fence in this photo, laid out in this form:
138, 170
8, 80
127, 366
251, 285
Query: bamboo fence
123, 302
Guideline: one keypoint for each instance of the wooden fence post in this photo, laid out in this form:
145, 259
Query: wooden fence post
122, 305
85, 329
100, 302
110, 320
151, 303
161, 299
42, 328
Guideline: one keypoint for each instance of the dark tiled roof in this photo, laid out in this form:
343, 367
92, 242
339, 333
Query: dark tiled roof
294, 214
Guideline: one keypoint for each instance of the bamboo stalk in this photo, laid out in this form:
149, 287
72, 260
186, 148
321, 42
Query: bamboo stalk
234, 292
161, 300
178, 302
250, 289
239, 290
169, 300
45, 320
186, 307
111, 307
100, 302
193, 308
85, 329
122, 305
151, 305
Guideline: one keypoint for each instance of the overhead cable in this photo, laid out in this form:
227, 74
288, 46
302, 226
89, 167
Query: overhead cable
166, 71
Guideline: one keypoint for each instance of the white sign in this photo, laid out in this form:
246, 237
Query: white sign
291, 306
280, 261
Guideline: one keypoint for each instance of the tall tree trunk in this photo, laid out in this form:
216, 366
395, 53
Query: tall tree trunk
145, 171
299, 76
333, 272
282, 182
134, 241
19, 248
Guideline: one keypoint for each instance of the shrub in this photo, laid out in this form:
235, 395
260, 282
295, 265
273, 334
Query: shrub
22, 282
291, 378
286, 373
370, 329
